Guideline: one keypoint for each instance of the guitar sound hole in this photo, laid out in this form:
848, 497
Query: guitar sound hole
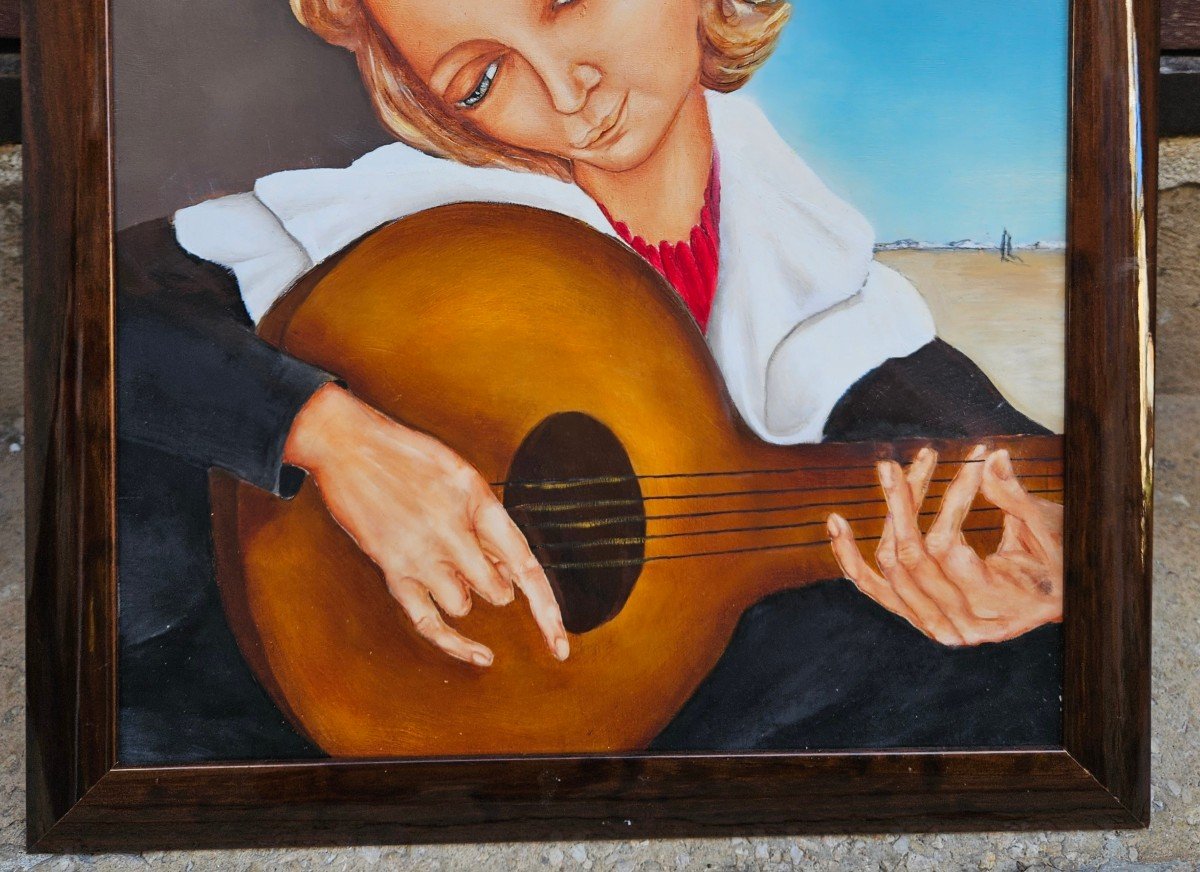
573, 492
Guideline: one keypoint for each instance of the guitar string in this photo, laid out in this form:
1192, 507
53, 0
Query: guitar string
684, 534
679, 516
641, 540
614, 564
633, 501
558, 483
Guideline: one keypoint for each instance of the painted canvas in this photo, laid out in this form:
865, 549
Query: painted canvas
588, 376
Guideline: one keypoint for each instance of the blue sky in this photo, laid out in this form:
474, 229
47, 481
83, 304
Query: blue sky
938, 119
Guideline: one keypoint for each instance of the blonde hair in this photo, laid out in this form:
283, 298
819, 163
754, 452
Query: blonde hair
737, 38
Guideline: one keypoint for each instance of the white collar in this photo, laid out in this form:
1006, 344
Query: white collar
790, 248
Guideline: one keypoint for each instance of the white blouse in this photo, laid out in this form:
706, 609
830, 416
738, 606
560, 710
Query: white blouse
802, 310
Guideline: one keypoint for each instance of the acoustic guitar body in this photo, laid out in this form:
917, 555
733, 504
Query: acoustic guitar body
561, 366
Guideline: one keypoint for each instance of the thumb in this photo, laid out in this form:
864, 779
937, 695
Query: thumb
1003, 489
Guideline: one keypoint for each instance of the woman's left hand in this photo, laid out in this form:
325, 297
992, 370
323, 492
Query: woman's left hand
937, 581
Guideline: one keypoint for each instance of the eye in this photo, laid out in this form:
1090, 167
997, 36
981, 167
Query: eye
481, 90
558, 4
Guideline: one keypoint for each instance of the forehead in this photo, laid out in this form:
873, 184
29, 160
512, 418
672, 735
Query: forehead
424, 30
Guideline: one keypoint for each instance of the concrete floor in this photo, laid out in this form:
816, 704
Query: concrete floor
1172, 842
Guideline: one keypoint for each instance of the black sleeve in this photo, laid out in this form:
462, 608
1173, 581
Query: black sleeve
193, 379
936, 392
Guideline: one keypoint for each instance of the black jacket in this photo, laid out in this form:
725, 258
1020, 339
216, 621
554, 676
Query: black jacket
819, 667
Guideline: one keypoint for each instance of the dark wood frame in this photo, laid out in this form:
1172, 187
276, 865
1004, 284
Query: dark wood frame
79, 798
1181, 26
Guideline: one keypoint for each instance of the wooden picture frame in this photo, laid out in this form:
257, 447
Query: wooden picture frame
81, 799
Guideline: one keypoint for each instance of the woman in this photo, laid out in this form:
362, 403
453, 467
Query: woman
584, 106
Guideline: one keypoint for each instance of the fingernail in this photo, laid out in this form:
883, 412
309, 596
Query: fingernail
1003, 466
831, 527
840, 525
561, 648
977, 452
885, 474
482, 658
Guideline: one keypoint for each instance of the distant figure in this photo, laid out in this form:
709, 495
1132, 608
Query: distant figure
1006, 248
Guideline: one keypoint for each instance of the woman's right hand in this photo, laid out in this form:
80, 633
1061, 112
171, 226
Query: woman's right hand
424, 516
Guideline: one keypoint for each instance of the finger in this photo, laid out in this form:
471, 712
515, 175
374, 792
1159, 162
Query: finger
448, 588
855, 567
1013, 538
1019, 544
931, 618
913, 571
920, 472
946, 530
532, 581
480, 573
500, 535
1028, 542
1002, 487
415, 599
898, 494
909, 543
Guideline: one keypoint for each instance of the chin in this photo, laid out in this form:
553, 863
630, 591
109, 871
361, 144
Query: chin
621, 156
630, 151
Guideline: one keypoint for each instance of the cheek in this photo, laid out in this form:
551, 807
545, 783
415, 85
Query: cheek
652, 44
520, 114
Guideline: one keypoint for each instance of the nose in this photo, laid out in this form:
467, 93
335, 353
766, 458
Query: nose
570, 84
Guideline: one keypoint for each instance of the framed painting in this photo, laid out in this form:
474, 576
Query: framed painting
586, 418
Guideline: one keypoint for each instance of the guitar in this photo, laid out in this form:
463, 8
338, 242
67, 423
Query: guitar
561, 365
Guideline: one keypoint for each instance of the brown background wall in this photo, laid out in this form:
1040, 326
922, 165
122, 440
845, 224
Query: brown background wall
238, 88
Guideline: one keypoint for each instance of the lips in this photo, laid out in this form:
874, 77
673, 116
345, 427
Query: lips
607, 126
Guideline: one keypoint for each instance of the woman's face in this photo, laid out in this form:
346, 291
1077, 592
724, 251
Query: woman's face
597, 81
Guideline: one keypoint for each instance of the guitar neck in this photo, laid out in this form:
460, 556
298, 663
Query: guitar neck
773, 513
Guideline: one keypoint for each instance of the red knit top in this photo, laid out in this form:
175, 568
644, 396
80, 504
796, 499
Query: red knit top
691, 265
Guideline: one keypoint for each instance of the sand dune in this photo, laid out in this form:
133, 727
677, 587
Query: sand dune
1008, 317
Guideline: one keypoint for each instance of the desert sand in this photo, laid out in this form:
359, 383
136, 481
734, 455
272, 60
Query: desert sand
1007, 317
